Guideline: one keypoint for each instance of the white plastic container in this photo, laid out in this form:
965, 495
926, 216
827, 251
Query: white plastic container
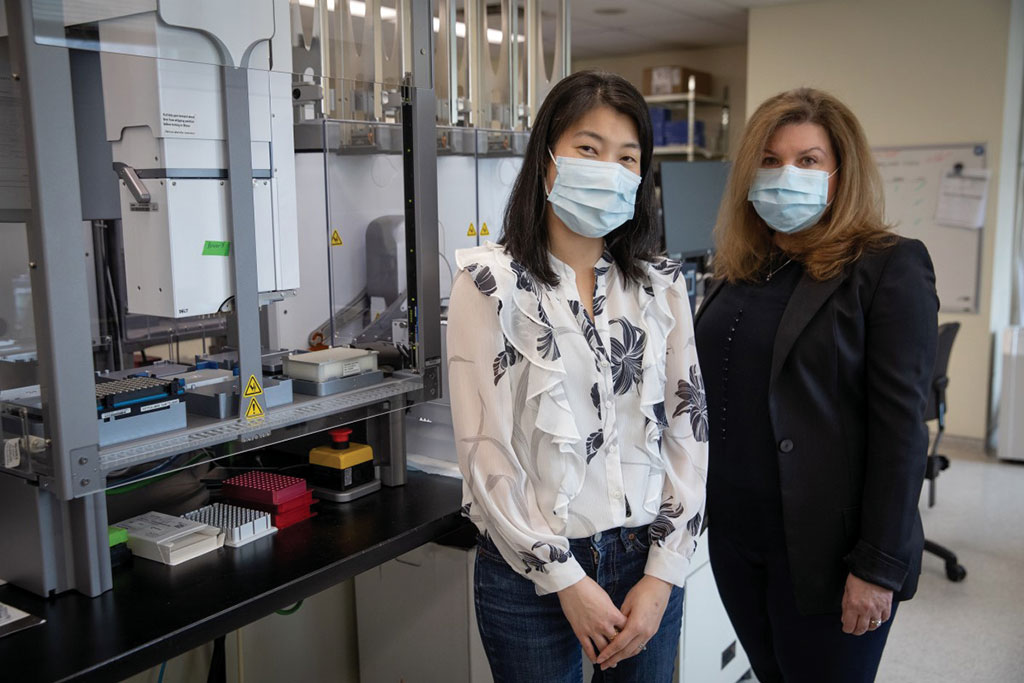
320, 366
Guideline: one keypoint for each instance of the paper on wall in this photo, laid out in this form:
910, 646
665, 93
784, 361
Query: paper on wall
962, 198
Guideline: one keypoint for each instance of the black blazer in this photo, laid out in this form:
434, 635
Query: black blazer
851, 371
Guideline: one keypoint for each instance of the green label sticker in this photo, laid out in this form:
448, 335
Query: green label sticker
212, 248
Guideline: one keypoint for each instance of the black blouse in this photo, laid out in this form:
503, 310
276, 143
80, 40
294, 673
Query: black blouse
735, 339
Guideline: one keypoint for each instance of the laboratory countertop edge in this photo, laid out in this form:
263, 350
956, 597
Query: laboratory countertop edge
156, 612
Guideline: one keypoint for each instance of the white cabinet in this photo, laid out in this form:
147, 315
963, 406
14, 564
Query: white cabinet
709, 651
417, 620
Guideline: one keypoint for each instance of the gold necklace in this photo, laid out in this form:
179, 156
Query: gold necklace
768, 277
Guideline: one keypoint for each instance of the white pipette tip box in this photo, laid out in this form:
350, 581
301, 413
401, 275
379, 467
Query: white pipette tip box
169, 539
240, 525
327, 364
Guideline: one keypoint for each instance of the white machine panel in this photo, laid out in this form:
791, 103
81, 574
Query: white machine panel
166, 272
236, 23
292, 320
165, 119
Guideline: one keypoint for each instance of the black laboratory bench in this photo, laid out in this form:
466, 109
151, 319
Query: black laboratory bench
156, 612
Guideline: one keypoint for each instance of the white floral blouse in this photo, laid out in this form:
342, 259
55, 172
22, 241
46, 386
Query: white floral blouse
560, 421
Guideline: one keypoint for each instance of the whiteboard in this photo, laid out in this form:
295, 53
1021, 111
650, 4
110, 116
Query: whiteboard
911, 176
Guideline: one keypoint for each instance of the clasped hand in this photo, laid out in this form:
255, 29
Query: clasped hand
609, 635
865, 606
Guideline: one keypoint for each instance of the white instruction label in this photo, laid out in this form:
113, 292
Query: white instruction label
178, 123
350, 368
108, 416
12, 453
158, 406
158, 527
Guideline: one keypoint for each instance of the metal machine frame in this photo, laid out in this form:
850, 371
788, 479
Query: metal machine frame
53, 514
53, 533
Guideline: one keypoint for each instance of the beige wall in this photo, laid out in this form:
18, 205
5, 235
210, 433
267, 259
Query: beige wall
727, 66
915, 72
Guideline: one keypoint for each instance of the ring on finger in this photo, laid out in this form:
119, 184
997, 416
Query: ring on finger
874, 623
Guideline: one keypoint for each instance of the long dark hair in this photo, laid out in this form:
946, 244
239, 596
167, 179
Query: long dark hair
525, 232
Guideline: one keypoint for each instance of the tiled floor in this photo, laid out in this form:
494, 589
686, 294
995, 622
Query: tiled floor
971, 631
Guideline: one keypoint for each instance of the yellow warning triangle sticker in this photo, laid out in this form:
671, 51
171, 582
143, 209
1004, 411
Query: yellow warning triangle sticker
254, 410
472, 231
335, 239
484, 232
253, 388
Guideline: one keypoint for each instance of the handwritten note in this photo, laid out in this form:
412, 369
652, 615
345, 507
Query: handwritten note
962, 198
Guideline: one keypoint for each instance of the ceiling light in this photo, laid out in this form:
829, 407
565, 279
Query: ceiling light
358, 9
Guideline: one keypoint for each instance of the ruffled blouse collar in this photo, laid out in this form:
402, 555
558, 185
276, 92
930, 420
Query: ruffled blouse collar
566, 274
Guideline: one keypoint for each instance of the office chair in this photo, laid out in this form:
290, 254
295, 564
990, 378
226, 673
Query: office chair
936, 410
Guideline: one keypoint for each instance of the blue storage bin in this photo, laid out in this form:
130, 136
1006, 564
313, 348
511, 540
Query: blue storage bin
658, 130
675, 133
660, 115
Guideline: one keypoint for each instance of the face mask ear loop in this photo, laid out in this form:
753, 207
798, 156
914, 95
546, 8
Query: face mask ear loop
828, 205
544, 180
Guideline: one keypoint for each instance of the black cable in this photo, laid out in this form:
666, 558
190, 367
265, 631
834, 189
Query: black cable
114, 305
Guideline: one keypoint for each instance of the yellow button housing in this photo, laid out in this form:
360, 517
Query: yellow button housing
355, 454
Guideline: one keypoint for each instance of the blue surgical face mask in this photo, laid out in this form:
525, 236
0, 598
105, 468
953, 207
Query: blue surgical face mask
790, 199
593, 197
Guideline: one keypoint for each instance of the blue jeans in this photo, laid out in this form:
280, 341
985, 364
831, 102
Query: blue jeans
527, 637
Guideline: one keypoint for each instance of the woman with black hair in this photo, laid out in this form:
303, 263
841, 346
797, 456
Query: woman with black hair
578, 404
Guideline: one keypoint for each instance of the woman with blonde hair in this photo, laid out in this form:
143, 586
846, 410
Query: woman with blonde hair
817, 343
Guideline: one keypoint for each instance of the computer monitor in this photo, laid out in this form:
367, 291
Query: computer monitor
690, 194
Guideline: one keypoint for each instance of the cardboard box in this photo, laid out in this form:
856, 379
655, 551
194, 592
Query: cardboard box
670, 80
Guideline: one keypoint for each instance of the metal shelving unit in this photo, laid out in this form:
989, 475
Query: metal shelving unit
690, 151
677, 98
690, 100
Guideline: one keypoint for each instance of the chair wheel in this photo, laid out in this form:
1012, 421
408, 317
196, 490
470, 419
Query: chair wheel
955, 572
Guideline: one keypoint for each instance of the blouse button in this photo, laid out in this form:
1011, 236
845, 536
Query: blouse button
604, 363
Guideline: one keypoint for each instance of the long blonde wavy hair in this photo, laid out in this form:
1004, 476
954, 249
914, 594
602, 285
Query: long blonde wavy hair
852, 224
